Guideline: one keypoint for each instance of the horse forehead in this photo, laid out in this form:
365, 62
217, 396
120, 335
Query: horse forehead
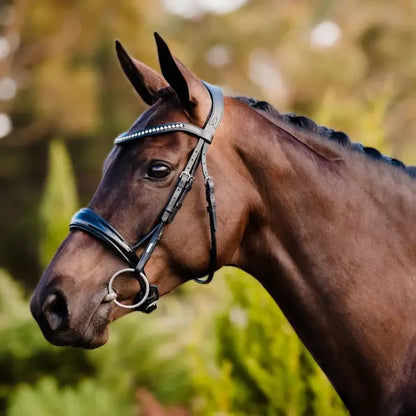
163, 111
109, 160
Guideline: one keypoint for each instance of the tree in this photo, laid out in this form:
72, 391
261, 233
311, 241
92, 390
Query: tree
59, 201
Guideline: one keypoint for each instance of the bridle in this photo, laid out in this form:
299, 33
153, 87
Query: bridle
90, 222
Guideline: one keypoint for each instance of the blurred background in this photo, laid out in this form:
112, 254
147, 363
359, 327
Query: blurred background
219, 350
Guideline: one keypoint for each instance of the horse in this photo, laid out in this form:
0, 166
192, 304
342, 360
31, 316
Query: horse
325, 225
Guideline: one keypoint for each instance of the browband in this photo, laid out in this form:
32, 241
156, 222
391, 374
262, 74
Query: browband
207, 133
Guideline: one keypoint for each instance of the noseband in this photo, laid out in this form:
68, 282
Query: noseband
90, 222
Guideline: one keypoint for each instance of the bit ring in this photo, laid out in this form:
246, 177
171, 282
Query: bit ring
144, 284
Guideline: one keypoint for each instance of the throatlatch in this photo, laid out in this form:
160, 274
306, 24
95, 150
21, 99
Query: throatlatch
90, 222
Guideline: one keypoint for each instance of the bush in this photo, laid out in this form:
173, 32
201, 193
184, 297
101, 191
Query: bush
59, 201
86, 399
40, 379
262, 367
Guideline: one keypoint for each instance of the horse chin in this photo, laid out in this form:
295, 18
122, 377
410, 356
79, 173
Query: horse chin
93, 340
97, 332
89, 340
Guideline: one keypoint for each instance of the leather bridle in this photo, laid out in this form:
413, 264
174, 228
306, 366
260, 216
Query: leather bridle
90, 222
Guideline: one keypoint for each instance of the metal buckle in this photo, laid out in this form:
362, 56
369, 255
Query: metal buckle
183, 186
151, 301
186, 180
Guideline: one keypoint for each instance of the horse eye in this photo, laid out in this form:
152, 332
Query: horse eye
158, 170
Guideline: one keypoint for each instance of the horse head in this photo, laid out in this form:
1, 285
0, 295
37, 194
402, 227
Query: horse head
129, 221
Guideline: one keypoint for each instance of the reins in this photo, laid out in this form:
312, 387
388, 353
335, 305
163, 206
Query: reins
90, 222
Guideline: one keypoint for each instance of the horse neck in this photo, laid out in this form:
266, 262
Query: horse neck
321, 238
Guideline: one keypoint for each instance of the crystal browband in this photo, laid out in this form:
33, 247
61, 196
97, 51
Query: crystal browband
164, 128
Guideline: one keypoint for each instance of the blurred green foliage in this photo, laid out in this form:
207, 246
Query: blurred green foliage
226, 349
252, 363
89, 398
261, 366
40, 379
59, 201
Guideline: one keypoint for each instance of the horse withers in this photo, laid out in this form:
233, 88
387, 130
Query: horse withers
326, 226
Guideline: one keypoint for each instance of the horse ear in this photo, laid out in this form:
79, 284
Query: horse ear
192, 94
145, 80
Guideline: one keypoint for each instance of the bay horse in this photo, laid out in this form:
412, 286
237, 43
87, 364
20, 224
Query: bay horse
326, 226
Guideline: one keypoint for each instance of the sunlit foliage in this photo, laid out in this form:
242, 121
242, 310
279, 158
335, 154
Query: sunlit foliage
59, 201
223, 349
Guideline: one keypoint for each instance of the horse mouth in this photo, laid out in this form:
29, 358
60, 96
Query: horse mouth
96, 332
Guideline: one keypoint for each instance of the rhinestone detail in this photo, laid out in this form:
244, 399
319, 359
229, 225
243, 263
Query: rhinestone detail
148, 131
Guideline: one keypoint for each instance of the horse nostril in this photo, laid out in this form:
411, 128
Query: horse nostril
55, 311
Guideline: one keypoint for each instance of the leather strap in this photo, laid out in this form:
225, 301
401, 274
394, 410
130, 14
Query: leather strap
212, 212
89, 221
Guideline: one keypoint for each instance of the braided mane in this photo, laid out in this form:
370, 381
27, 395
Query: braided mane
340, 137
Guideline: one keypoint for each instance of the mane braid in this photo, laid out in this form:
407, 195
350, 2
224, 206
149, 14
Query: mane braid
306, 124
